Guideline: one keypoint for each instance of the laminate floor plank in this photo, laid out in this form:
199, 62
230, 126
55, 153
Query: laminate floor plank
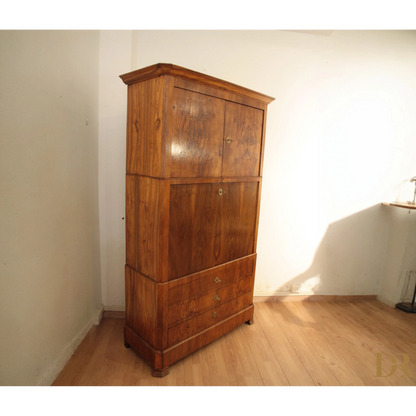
292, 343
287, 358
219, 363
83, 368
401, 324
330, 354
270, 370
317, 368
392, 341
369, 340
342, 340
243, 362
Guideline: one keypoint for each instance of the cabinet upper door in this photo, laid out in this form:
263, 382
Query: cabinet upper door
212, 137
242, 140
196, 135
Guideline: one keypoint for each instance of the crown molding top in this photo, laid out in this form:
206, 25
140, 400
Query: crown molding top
157, 70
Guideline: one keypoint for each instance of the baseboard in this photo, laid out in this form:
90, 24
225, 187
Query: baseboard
50, 375
317, 298
116, 308
386, 301
98, 316
114, 314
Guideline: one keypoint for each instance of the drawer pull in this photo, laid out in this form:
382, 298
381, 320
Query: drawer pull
221, 192
216, 297
215, 315
217, 280
228, 140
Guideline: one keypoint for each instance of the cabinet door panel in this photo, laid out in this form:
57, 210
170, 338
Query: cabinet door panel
207, 229
193, 228
196, 135
244, 128
238, 220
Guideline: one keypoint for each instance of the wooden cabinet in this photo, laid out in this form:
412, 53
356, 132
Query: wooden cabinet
193, 178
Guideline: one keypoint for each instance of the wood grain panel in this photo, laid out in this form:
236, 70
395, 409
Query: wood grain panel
238, 220
196, 135
174, 70
206, 319
144, 127
131, 220
142, 205
194, 306
194, 227
203, 282
210, 229
219, 93
141, 305
244, 129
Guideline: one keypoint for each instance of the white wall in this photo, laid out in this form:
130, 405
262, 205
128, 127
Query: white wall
115, 60
340, 140
49, 236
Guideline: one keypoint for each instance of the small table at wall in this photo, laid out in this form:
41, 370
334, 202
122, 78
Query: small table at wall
400, 205
405, 306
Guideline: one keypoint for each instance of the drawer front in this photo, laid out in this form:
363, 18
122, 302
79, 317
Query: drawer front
197, 305
208, 318
209, 280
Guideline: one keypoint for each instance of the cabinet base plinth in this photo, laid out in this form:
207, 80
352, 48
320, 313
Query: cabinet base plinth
160, 360
160, 373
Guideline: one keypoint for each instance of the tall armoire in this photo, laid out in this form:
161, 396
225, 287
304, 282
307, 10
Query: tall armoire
195, 149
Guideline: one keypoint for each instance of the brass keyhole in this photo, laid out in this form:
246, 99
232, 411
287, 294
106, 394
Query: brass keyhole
217, 280
216, 297
221, 192
228, 140
215, 315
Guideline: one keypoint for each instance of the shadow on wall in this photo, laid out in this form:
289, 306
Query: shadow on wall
350, 257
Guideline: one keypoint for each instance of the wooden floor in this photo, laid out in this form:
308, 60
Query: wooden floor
290, 344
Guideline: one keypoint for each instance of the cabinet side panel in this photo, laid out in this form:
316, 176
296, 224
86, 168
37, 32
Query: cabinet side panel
131, 218
142, 205
141, 304
144, 127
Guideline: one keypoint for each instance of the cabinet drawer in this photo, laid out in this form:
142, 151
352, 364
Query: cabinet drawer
208, 318
197, 305
209, 280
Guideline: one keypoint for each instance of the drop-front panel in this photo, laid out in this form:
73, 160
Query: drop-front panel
193, 178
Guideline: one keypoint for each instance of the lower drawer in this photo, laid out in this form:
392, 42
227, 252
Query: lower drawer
206, 319
208, 280
194, 306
